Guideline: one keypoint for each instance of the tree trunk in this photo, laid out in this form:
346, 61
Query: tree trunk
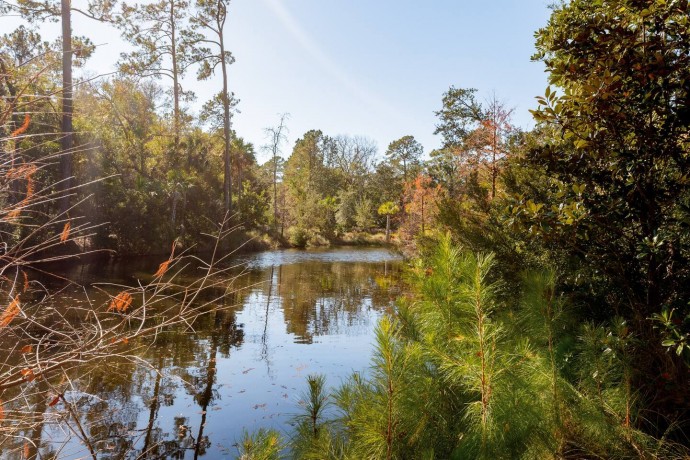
227, 177
66, 128
275, 189
388, 228
176, 84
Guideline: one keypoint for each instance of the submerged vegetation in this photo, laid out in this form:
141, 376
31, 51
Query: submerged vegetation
549, 305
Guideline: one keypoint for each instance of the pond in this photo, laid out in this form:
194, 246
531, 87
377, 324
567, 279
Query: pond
297, 313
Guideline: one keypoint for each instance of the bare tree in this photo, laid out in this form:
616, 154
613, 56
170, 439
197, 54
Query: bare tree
354, 156
276, 136
490, 137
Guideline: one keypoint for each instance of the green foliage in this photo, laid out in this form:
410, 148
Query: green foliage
460, 373
404, 155
460, 113
388, 209
620, 165
364, 214
262, 445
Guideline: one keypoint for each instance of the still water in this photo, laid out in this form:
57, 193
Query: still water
297, 313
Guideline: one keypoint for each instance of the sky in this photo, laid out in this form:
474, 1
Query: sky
373, 68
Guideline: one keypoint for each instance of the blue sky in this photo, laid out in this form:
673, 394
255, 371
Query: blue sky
375, 68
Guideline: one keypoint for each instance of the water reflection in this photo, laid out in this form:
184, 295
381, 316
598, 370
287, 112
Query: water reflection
298, 312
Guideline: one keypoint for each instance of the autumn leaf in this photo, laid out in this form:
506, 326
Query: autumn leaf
26, 282
2, 411
65, 232
14, 213
10, 312
55, 400
162, 268
21, 172
29, 188
27, 349
28, 374
22, 129
121, 302
27, 450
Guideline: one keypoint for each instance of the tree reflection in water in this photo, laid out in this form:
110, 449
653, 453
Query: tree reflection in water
296, 314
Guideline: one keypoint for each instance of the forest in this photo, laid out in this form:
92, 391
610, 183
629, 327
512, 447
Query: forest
548, 309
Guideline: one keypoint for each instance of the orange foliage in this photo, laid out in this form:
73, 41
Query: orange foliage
10, 312
22, 129
22, 172
27, 349
28, 374
162, 268
421, 206
54, 401
65, 232
121, 302
14, 213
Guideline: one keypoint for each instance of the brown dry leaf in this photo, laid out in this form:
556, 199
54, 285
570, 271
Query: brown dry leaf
27, 451
54, 401
10, 312
28, 374
22, 129
162, 268
29, 188
21, 172
26, 282
27, 349
2, 411
65, 232
14, 213
121, 302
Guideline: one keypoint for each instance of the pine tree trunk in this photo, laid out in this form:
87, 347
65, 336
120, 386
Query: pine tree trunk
176, 85
227, 177
67, 137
